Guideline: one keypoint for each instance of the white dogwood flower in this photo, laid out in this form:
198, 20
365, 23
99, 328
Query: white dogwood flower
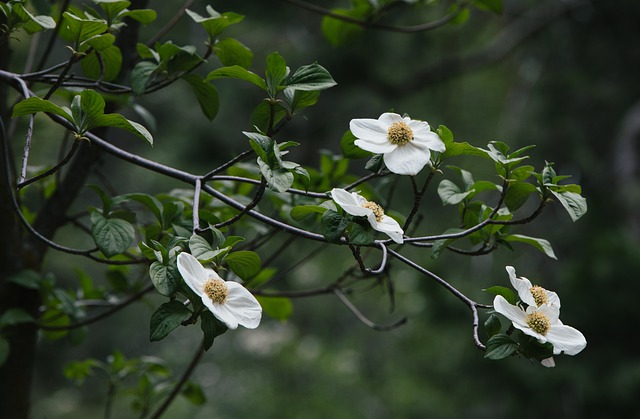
404, 143
357, 205
230, 302
532, 295
543, 323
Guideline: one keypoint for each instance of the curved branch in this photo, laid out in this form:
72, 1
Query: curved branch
379, 26
375, 326
114, 308
473, 306
51, 171
249, 207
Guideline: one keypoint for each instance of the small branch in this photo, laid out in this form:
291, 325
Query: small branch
176, 389
27, 149
51, 171
170, 24
228, 164
114, 309
371, 25
375, 326
196, 206
249, 207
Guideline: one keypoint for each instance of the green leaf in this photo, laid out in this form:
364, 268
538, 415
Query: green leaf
275, 73
237, 72
445, 135
26, 278
151, 202
575, 204
374, 164
111, 59
215, 23
450, 193
211, 328
31, 23
279, 308
461, 149
244, 263
78, 371
302, 211
540, 244
112, 7
350, 150
300, 99
333, 225
35, 104
361, 235
230, 51
517, 195
278, 180
310, 77
112, 235
118, 121
202, 250
141, 76
500, 346
261, 115
164, 278
206, 93
144, 16
4, 350
505, 292
55, 318
492, 325
83, 29
101, 42
15, 316
193, 392
166, 318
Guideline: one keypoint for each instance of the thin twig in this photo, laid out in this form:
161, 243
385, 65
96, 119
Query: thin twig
170, 24
375, 326
196, 206
249, 207
176, 389
53, 170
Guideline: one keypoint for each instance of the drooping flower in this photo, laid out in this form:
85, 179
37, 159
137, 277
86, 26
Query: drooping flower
405, 143
533, 295
357, 205
230, 302
543, 323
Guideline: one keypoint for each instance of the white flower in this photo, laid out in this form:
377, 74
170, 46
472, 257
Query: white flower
355, 204
230, 302
404, 143
543, 323
532, 295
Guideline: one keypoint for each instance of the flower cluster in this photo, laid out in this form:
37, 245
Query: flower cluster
540, 317
405, 143
358, 206
230, 302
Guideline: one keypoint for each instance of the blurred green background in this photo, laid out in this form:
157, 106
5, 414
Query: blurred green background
562, 75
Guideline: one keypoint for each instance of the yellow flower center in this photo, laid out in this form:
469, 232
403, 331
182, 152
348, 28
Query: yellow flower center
538, 322
539, 295
216, 290
399, 133
377, 209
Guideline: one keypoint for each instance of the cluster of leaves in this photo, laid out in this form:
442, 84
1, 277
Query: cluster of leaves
145, 380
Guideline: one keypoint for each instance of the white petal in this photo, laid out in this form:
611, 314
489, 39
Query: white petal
351, 202
429, 139
522, 286
548, 362
552, 313
390, 227
374, 147
369, 129
243, 305
418, 126
388, 118
193, 273
553, 298
566, 339
407, 159
511, 312
222, 313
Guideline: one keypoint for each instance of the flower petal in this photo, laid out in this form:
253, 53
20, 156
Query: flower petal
222, 313
374, 147
522, 285
407, 159
548, 362
193, 273
391, 228
429, 139
350, 202
566, 339
369, 129
388, 118
511, 312
243, 305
